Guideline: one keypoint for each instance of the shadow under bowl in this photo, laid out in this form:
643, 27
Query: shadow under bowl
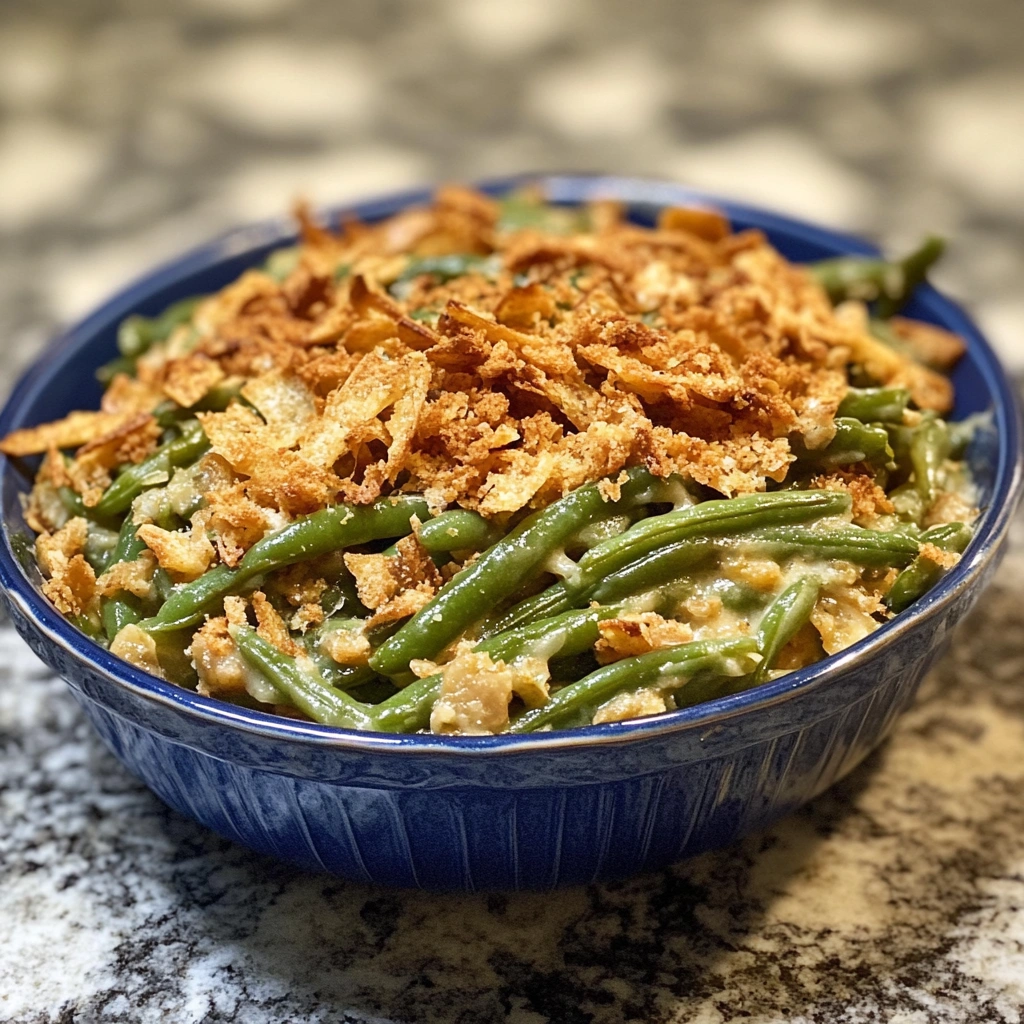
503, 812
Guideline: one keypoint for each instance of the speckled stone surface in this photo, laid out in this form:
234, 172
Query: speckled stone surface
128, 131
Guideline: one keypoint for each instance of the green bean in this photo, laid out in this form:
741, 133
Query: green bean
853, 442
281, 262
133, 337
333, 625
907, 503
300, 682
900, 437
849, 544
518, 211
961, 433
137, 334
72, 502
914, 269
737, 596
341, 594
169, 414
175, 663
596, 533
118, 612
929, 448
109, 370
855, 277
24, 547
458, 530
709, 518
129, 545
551, 601
330, 529
705, 686
409, 709
342, 677
162, 584
133, 480
948, 536
425, 315
561, 636
782, 619
872, 279
661, 566
875, 405
671, 490
187, 604
500, 572
217, 399
115, 614
659, 668
99, 546
89, 626
444, 268
922, 574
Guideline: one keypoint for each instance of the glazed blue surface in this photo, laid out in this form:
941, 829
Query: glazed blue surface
503, 812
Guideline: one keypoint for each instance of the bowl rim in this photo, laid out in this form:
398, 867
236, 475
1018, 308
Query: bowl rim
569, 188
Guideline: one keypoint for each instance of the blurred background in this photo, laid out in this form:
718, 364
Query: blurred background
130, 130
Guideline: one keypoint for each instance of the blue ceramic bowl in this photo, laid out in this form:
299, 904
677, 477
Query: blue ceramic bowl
504, 812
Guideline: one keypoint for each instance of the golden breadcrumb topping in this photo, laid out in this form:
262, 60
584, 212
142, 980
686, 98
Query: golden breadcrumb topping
534, 363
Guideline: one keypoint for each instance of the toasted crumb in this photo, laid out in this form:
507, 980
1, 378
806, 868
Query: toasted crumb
395, 586
710, 225
869, 501
134, 577
945, 559
219, 665
934, 346
186, 556
77, 428
474, 697
640, 702
71, 582
138, 648
928, 388
843, 615
91, 471
271, 626
346, 646
951, 508
762, 574
635, 634
188, 379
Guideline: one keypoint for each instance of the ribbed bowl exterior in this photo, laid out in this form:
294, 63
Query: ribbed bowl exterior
548, 819
503, 812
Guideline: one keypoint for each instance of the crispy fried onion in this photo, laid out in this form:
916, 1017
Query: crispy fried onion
441, 353
71, 581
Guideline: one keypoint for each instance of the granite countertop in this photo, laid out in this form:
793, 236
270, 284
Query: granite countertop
899, 895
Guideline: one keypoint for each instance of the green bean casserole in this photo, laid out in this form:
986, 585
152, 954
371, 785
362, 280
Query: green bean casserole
499, 466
